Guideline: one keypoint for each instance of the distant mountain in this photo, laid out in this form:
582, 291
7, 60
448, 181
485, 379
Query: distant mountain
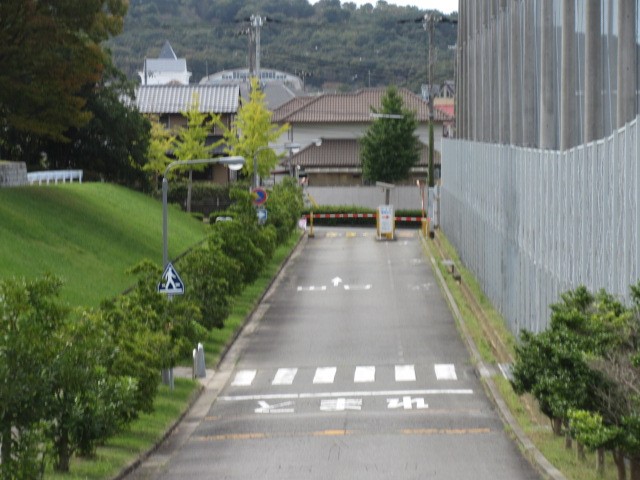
335, 45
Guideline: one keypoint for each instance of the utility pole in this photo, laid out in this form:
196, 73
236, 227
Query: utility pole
257, 22
427, 24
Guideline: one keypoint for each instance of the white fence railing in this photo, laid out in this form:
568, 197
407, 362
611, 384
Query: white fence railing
532, 224
54, 176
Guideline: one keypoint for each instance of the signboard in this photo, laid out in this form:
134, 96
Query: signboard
262, 215
260, 196
386, 221
171, 283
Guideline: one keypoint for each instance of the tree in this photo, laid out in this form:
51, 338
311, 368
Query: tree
29, 316
50, 50
390, 147
160, 144
252, 131
191, 142
114, 143
86, 404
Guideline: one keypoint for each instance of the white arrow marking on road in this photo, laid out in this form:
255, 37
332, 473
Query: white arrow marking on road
406, 403
341, 404
312, 289
357, 287
277, 408
336, 281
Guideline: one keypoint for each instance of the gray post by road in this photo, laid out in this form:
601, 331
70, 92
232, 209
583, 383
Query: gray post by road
167, 374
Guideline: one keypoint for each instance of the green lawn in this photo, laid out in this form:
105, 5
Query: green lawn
88, 234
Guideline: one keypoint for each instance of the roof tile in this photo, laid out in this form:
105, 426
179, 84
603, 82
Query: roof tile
178, 98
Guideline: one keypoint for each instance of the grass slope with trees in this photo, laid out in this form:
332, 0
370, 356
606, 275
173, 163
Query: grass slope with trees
73, 378
89, 235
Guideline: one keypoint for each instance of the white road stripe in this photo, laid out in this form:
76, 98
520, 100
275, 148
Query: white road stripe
445, 372
284, 376
244, 378
325, 375
405, 373
382, 393
364, 375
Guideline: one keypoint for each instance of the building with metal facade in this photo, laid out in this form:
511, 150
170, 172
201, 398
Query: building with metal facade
549, 74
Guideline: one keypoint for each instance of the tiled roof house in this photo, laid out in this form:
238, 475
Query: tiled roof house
340, 120
168, 102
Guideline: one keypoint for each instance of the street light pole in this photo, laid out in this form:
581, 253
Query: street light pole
428, 26
287, 146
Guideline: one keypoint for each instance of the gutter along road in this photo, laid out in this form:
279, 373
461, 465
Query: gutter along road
352, 368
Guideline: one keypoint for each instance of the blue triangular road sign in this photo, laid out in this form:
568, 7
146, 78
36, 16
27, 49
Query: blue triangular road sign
171, 283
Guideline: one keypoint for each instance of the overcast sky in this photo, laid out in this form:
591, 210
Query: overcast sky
444, 6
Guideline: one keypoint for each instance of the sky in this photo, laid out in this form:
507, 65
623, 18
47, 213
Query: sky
444, 6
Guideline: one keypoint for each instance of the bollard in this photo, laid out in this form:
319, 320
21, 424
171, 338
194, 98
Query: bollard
200, 370
311, 234
424, 227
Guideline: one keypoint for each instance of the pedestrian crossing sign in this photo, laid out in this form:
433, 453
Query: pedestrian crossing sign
171, 283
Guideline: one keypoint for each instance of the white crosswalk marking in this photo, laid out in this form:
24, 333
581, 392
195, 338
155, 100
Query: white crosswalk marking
445, 372
364, 374
405, 373
284, 376
325, 375
244, 378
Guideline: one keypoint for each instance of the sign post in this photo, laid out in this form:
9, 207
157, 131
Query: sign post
385, 222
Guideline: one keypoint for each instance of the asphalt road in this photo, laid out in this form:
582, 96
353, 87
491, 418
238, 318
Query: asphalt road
354, 370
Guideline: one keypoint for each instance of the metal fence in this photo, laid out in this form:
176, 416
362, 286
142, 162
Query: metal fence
532, 224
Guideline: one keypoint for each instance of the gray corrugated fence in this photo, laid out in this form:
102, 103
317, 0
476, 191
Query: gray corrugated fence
532, 224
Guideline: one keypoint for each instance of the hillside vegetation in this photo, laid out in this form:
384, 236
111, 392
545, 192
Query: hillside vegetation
336, 45
88, 234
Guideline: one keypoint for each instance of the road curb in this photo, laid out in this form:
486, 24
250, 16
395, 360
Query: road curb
530, 451
212, 384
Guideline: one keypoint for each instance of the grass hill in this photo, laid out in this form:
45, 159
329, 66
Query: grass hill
88, 234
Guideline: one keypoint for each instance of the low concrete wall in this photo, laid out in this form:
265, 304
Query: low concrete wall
13, 174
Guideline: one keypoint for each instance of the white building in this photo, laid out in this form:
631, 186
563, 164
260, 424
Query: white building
166, 69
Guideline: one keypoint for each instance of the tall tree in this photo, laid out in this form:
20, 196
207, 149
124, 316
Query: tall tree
191, 142
113, 144
160, 143
251, 133
390, 146
49, 51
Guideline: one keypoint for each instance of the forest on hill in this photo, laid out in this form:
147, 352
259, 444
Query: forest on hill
333, 45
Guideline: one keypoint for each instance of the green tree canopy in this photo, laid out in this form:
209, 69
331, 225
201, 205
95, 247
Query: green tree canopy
390, 146
251, 133
50, 50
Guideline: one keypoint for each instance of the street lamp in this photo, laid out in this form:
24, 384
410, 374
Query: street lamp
234, 163
288, 146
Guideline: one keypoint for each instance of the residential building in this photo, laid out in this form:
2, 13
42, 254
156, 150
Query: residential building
279, 87
340, 120
166, 69
169, 102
